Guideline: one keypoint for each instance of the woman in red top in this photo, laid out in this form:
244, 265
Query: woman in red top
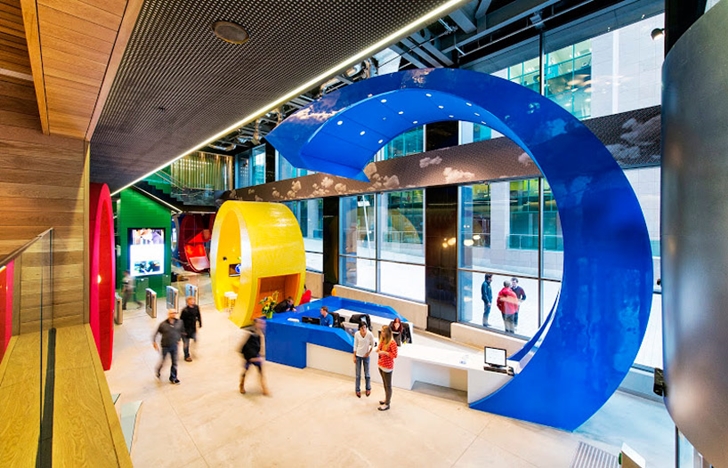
387, 351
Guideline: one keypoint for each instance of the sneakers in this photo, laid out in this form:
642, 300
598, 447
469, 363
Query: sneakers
383, 408
174, 381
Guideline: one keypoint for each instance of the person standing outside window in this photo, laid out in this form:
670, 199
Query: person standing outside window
520, 295
508, 305
387, 352
190, 317
171, 331
363, 346
486, 294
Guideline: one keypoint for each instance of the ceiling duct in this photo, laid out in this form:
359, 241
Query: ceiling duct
222, 145
256, 133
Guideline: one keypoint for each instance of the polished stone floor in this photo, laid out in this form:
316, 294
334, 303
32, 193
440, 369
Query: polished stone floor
314, 419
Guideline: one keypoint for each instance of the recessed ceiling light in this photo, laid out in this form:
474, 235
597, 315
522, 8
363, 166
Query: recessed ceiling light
441, 107
339, 122
381, 141
478, 115
428, 94
383, 101
401, 112
468, 104
230, 32
362, 132
451, 116
414, 122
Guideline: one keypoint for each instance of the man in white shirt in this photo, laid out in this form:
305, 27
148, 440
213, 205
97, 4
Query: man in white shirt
363, 346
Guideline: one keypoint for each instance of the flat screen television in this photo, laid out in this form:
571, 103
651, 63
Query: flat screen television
146, 251
234, 269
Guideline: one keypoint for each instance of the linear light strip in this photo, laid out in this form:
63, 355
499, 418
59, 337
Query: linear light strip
366, 53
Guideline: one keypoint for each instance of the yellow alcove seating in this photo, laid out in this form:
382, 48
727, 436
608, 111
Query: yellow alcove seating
264, 239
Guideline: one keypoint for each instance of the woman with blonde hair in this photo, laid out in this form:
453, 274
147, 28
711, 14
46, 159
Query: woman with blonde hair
387, 351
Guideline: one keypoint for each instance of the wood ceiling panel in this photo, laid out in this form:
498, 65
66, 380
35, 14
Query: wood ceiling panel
18, 105
60, 106
62, 21
90, 67
78, 50
70, 86
71, 95
14, 119
7, 27
55, 33
85, 11
67, 125
19, 89
68, 71
116, 7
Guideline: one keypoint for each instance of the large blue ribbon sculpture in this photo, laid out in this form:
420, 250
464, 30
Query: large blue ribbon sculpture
601, 317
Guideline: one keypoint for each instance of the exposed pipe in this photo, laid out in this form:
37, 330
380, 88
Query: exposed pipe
222, 145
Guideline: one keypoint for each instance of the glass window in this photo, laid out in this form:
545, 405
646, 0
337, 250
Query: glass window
284, 169
410, 142
358, 241
524, 215
257, 165
401, 226
309, 214
402, 280
473, 307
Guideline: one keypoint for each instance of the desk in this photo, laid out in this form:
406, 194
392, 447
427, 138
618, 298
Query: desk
418, 363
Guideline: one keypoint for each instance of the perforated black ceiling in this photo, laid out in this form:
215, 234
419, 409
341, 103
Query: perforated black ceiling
179, 85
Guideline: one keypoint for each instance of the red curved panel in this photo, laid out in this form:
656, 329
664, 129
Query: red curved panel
6, 306
102, 272
193, 234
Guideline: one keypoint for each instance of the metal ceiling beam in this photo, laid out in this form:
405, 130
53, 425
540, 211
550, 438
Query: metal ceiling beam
409, 57
430, 47
463, 21
512, 12
414, 47
482, 8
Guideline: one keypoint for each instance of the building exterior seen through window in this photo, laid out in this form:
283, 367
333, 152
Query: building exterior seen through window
309, 214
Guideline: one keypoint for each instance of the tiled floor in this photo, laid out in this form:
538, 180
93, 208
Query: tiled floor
313, 418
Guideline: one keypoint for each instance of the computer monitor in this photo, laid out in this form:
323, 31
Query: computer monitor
311, 320
495, 357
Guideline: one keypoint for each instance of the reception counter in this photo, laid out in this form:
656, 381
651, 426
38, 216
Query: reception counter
291, 342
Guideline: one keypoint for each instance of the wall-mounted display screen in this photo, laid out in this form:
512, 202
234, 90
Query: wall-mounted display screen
146, 252
234, 269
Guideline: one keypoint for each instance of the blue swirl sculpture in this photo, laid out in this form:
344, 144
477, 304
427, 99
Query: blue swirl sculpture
601, 316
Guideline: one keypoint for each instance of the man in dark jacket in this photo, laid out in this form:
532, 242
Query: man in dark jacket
486, 294
190, 317
254, 352
171, 331
520, 294
285, 305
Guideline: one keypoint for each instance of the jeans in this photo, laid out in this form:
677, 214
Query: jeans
186, 343
510, 323
486, 313
362, 361
172, 351
387, 381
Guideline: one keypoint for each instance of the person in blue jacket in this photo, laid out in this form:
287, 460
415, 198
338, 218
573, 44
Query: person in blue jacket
486, 294
326, 319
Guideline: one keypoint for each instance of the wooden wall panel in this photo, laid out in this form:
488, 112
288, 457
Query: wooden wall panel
43, 184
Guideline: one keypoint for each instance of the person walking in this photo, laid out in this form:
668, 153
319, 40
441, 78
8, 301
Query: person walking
387, 351
363, 346
254, 354
128, 286
486, 294
190, 317
171, 331
508, 305
521, 295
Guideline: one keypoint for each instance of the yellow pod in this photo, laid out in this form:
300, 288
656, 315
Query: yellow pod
256, 253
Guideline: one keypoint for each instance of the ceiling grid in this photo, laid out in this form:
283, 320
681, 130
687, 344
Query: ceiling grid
178, 84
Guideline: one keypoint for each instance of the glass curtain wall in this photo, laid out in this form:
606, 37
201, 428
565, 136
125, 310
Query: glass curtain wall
309, 214
257, 165
382, 243
286, 170
410, 142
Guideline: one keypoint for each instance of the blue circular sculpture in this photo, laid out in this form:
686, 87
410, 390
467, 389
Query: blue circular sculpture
596, 329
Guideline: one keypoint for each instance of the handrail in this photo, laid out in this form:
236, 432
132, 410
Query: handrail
19, 251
